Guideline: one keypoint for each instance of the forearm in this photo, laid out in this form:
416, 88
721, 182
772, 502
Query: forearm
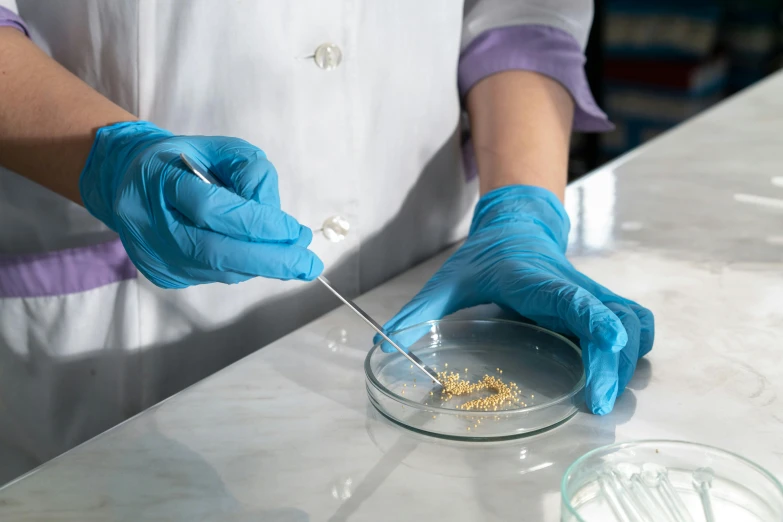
520, 127
48, 117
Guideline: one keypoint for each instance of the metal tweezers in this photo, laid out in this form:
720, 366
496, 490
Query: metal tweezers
207, 177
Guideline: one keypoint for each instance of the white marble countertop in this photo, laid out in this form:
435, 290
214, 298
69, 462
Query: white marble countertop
691, 225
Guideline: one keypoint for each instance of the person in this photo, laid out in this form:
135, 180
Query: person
124, 278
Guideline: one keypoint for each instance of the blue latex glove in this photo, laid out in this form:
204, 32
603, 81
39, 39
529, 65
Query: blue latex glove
514, 257
180, 231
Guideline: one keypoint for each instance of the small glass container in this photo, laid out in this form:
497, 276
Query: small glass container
664, 480
546, 368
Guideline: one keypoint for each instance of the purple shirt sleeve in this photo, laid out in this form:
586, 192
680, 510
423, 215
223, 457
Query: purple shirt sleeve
541, 49
10, 19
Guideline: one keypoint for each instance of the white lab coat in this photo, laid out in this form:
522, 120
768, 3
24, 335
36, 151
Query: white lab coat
375, 140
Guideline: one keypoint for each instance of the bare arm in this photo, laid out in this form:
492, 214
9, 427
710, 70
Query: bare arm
521, 125
48, 117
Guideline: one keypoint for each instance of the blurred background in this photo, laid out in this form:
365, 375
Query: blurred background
652, 64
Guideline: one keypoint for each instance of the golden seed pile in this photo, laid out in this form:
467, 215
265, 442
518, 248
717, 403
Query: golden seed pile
503, 394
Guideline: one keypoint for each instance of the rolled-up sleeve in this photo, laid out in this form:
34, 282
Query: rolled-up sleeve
543, 36
9, 16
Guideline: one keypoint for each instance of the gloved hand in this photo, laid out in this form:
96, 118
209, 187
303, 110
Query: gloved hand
180, 231
514, 257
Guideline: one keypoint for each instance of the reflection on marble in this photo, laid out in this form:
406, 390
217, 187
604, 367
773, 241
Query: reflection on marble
287, 434
336, 339
594, 221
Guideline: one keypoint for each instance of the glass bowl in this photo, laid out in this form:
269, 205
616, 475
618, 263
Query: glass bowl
546, 368
663, 480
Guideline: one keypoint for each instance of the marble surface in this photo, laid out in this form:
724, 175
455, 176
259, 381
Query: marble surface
691, 225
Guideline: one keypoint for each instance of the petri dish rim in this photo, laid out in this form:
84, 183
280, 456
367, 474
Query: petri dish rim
578, 387
471, 440
611, 448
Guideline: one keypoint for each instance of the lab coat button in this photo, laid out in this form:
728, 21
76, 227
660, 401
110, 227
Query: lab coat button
328, 56
335, 228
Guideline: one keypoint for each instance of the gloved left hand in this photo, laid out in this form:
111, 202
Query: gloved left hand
514, 257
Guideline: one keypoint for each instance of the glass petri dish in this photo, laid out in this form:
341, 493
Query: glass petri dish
668, 480
546, 368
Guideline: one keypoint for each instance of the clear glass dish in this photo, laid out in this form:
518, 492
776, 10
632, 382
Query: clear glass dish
546, 368
663, 480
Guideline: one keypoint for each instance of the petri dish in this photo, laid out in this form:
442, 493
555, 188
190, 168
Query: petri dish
663, 480
546, 368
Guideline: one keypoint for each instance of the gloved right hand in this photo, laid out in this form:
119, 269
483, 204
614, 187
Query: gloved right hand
180, 231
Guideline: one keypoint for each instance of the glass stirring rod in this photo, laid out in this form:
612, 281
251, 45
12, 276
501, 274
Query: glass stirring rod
334, 229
